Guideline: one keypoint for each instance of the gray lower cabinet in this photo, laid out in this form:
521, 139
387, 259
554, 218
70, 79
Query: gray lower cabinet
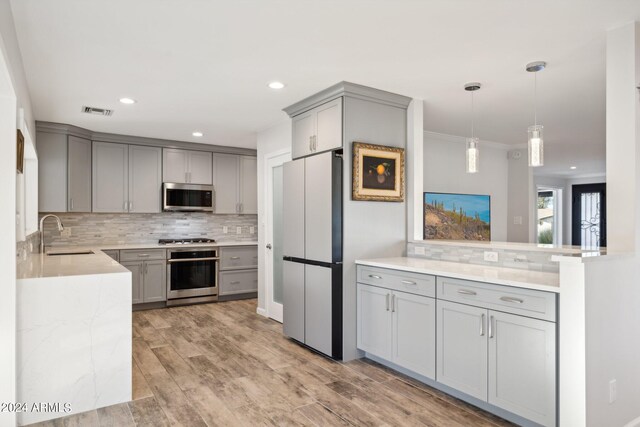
462, 348
397, 326
238, 276
148, 274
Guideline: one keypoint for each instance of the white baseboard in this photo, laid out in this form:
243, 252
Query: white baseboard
262, 312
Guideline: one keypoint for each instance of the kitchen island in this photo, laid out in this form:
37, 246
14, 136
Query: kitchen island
73, 334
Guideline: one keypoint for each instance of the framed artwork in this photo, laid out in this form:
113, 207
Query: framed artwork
450, 216
378, 173
20, 152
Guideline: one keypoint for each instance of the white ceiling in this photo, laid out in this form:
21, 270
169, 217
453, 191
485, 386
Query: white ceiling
205, 65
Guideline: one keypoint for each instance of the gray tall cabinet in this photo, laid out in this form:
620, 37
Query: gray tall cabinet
332, 120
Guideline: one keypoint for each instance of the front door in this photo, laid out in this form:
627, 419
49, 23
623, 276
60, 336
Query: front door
589, 216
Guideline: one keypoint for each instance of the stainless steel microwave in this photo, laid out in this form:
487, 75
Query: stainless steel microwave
187, 197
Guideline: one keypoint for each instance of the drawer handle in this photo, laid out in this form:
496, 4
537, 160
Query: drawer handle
408, 282
482, 324
235, 282
387, 297
143, 255
510, 299
374, 276
466, 292
235, 257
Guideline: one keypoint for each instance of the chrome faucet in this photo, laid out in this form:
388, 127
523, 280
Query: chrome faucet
60, 228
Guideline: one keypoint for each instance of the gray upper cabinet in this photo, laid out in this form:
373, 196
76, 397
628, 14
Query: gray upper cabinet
64, 173
110, 177
186, 167
248, 185
226, 174
235, 181
318, 130
145, 179
79, 174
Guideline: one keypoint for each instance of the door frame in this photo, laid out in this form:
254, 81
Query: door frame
274, 159
576, 191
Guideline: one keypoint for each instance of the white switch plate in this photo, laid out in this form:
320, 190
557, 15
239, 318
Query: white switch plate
420, 250
491, 256
225, 229
252, 230
238, 230
613, 391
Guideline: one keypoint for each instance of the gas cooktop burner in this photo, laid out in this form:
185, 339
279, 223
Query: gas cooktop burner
185, 241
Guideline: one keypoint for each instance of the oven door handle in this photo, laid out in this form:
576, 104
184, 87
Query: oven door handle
171, 261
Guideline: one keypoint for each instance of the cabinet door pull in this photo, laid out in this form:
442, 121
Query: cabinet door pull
393, 303
387, 299
482, 324
466, 292
408, 282
311, 143
235, 282
510, 299
130, 206
374, 276
71, 201
490, 326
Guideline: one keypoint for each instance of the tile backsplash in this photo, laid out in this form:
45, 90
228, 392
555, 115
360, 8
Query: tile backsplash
93, 228
520, 258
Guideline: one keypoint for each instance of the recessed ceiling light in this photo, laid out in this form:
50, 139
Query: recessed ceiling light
127, 100
197, 134
573, 167
276, 85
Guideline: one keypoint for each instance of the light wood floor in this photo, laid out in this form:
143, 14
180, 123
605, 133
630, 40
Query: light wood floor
224, 365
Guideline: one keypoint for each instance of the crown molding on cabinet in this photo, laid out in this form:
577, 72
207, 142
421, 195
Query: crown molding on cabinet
351, 90
67, 129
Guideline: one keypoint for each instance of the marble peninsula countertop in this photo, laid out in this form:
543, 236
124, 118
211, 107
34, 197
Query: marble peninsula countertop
43, 265
542, 281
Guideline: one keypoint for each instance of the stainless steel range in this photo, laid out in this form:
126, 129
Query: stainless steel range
192, 272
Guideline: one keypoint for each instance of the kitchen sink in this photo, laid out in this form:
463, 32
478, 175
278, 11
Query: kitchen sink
70, 253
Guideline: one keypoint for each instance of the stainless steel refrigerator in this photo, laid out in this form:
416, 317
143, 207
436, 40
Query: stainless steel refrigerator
312, 247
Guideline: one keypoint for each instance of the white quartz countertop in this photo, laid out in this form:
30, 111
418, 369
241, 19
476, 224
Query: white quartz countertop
39, 265
528, 279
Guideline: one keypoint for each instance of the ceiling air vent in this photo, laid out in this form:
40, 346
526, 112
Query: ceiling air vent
97, 111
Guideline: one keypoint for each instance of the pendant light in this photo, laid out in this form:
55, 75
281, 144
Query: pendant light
473, 154
535, 132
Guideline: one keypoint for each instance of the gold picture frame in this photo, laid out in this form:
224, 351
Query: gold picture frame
20, 152
378, 173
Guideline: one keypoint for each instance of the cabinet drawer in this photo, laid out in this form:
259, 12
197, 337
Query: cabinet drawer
238, 282
113, 254
141, 255
238, 257
420, 284
525, 302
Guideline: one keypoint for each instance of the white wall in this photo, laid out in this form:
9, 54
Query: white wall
623, 131
14, 95
444, 172
520, 198
276, 139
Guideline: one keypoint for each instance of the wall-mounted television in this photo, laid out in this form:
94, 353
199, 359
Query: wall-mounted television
451, 216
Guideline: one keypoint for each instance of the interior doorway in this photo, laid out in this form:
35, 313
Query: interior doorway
273, 230
549, 216
589, 215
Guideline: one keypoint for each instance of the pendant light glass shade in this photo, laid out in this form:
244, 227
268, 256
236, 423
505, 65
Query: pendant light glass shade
473, 155
536, 146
